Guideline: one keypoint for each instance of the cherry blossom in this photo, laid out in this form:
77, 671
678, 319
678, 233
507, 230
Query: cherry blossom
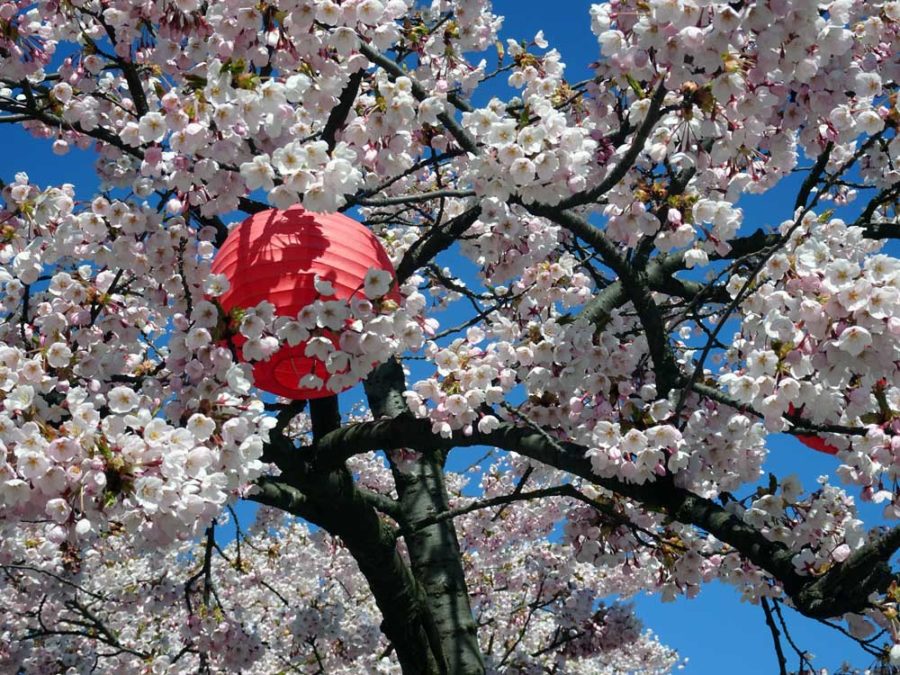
582, 286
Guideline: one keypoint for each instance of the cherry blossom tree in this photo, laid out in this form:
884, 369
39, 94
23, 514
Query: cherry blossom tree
620, 342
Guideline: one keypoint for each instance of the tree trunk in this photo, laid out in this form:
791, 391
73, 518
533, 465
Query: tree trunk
433, 549
329, 499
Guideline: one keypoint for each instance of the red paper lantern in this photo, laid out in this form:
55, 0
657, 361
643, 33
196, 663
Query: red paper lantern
276, 255
813, 442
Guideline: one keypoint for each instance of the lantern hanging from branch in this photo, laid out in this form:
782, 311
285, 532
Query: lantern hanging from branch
276, 256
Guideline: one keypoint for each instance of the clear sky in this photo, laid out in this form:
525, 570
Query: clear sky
716, 632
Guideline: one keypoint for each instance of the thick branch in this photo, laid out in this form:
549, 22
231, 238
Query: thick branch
329, 499
844, 588
814, 175
434, 241
339, 113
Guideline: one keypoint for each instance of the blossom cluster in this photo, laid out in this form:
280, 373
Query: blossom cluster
253, 622
818, 344
105, 425
343, 338
258, 621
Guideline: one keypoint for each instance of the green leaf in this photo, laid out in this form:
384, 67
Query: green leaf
636, 87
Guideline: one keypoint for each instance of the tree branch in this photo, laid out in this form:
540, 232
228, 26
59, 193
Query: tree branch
433, 547
634, 283
434, 241
628, 158
776, 636
341, 111
462, 137
844, 588
328, 498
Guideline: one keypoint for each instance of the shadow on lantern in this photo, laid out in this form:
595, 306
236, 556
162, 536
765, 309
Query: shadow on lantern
275, 256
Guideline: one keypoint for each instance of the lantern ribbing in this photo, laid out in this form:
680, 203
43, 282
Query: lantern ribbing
275, 256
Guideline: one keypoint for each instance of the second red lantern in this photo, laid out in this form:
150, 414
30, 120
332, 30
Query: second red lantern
276, 256
813, 442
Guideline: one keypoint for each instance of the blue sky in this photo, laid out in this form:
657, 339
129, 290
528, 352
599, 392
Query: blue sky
716, 632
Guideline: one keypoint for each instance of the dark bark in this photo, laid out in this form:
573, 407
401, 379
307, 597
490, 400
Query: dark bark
776, 637
813, 178
844, 588
341, 111
433, 548
434, 241
329, 499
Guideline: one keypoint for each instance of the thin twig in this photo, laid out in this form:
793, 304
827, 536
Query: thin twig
776, 636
